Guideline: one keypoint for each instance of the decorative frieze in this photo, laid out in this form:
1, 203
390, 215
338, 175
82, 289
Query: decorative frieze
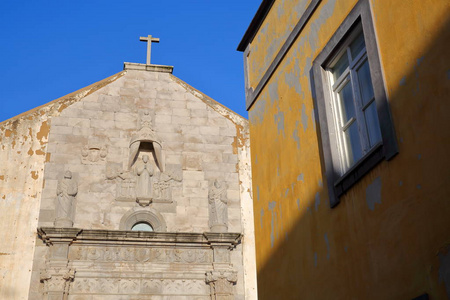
141, 286
139, 254
116, 262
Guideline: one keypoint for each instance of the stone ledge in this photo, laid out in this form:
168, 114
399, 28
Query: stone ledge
82, 236
144, 67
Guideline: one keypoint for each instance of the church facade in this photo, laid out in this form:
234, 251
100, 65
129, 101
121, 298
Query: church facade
136, 187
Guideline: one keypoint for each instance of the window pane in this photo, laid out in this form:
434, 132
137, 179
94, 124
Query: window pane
346, 103
142, 226
340, 66
365, 83
373, 126
353, 144
357, 45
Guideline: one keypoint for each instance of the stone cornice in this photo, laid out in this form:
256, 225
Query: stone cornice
60, 235
227, 238
88, 236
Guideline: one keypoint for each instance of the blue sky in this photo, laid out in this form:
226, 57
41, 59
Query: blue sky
51, 48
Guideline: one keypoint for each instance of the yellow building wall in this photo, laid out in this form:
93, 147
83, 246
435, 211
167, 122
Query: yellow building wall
392, 249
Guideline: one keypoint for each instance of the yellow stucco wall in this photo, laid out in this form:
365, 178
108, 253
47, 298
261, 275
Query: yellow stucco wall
358, 250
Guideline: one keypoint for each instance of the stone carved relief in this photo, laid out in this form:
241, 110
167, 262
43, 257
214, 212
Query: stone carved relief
144, 174
218, 207
56, 282
126, 286
143, 183
96, 285
221, 284
164, 182
145, 180
66, 191
93, 153
140, 255
151, 286
146, 135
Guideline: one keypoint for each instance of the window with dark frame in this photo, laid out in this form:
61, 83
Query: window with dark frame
356, 128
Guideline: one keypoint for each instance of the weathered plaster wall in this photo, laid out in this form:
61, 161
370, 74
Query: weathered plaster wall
388, 237
23, 153
273, 34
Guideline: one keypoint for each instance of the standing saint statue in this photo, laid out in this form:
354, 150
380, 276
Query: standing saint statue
66, 191
218, 209
144, 172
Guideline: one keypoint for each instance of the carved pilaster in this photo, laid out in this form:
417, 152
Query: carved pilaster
223, 278
221, 283
56, 283
57, 278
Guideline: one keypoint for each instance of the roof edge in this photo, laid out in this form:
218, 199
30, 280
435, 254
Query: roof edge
217, 106
255, 24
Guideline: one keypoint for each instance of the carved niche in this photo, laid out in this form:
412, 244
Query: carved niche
145, 180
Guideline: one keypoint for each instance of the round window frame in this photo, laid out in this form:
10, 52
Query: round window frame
150, 216
143, 223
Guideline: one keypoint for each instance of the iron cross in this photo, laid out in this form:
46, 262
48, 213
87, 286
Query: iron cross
149, 39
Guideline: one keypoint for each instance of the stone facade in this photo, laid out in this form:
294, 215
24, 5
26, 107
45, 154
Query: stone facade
142, 147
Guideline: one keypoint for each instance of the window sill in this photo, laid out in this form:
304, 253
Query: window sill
361, 168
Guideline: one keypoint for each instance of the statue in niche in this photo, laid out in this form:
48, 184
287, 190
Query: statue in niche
66, 191
144, 173
146, 135
145, 179
218, 207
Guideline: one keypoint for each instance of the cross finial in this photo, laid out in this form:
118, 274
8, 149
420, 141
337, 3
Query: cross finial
149, 39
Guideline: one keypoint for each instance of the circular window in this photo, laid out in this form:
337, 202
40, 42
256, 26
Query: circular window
142, 226
138, 219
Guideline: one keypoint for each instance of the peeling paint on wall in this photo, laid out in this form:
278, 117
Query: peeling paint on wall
304, 118
273, 92
300, 177
295, 134
272, 206
261, 217
327, 243
256, 114
373, 193
317, 201
257, 193
279, 120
